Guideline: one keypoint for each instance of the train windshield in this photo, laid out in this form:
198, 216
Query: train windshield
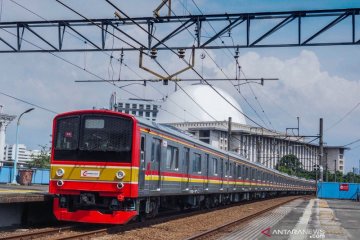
93, 138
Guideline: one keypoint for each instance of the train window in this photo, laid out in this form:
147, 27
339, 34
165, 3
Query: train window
142, 148
234, 170
253, 172
215, 166
172, 158
186, 159
247, 172
230, 169
197, 163
221, 167
155, 149
239, 171
226, 169
67, 133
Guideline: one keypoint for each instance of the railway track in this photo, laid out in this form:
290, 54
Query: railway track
87, 232
224, 228
38, 234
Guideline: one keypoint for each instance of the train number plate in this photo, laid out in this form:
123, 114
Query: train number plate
90, 173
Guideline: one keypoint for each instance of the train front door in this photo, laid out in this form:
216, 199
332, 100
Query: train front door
185, 182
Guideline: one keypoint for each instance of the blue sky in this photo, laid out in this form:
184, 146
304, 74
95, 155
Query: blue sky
314, 81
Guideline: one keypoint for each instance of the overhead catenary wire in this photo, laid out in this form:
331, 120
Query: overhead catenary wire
197, 73
343, 117
27, 102
237, 63
351, 143
222, 71
63, 59
73, 64
120, 59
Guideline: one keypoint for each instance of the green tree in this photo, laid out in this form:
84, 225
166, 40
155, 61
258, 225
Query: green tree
43, 159
290, 164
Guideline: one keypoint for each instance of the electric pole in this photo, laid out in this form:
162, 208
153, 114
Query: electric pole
321, 150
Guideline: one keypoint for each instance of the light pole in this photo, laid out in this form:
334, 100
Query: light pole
16, 145
335, 170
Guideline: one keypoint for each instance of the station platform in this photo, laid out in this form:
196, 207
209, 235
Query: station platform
304, 219
10, 193
24, 205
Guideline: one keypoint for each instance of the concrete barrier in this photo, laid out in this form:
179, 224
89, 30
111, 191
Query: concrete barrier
40, 176
337, 190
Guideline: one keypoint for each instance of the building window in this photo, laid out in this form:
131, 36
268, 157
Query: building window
197, 163
148, 107
141, 113
134, 106
121, 105
141, 106
155, 108
341, 156
172, 158
127, 105
127, 111
154, 114
133, 112
204, 133
147, 114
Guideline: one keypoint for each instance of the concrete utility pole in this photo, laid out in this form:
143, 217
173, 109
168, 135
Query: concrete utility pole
321, 149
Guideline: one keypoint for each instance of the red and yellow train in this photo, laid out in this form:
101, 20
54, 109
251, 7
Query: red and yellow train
109, 167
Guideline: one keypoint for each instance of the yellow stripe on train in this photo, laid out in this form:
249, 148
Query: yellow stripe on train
93, 173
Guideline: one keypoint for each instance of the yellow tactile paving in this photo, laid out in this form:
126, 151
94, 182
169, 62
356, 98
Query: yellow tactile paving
328, 221
17, 191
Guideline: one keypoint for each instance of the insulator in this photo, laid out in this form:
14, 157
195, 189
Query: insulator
153, 53
181, 53
236, 54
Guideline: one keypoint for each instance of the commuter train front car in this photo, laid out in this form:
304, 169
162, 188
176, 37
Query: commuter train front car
109, 167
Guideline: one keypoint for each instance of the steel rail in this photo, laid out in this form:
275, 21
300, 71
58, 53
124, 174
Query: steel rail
239, 221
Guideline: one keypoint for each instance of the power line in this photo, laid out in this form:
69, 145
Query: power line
357, 140
27, 102
216, 64
343, 117
262, 109
104, 80
256, 98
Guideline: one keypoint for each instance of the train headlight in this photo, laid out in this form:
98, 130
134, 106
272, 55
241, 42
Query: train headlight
120, 174
60, 172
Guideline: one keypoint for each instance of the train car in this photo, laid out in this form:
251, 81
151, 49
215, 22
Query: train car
110, 167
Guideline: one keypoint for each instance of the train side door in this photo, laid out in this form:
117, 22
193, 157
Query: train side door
186, 168
206, 183
155, 164
142, 162
222, 173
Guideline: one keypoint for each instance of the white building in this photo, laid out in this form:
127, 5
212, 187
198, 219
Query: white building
5, 120
145, 108
334, 157
255, 143
24, 155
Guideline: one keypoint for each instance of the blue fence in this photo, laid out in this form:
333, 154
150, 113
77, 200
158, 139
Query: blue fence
338, 190
40, 176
